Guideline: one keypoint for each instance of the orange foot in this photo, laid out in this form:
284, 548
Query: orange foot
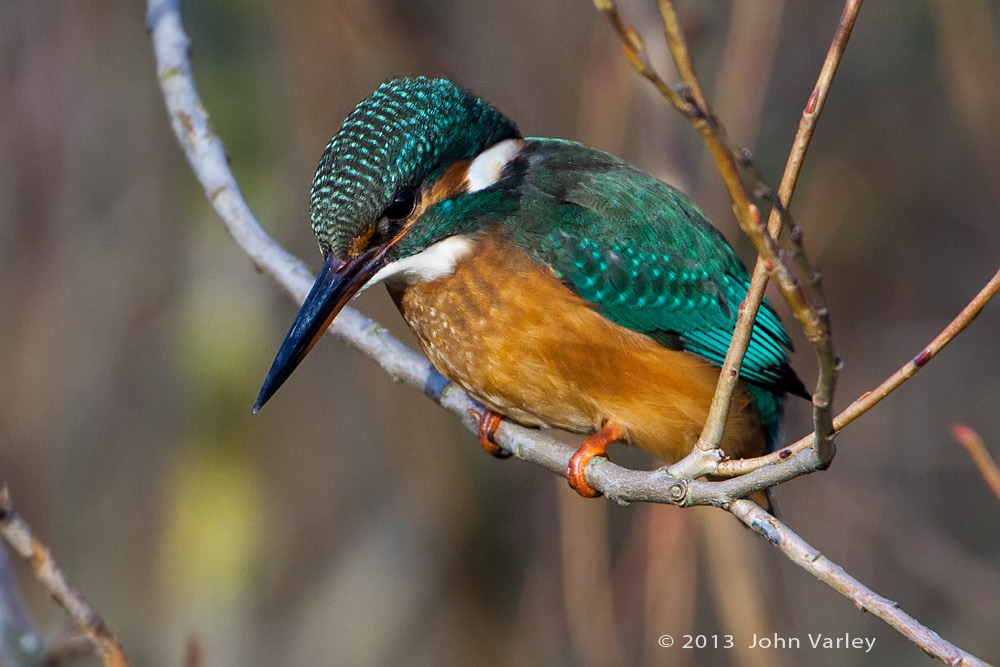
488, 423
593, 446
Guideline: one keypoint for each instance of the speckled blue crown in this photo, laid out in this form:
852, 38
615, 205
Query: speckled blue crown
406, 131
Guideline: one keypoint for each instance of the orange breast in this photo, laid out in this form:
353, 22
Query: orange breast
508, 332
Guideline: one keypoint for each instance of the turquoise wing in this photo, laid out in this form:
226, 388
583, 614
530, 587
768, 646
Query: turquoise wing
678, 302
646, 257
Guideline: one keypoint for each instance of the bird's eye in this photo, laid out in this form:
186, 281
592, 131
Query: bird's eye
402, 205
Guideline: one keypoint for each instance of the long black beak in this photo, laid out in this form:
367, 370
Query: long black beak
337, 284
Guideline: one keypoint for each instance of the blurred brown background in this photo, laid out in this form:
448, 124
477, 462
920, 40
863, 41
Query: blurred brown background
352, 522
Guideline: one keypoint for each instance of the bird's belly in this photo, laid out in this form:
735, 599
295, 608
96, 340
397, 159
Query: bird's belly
507, 331
481, 338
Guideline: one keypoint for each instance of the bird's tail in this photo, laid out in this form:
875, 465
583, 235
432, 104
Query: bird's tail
771, 408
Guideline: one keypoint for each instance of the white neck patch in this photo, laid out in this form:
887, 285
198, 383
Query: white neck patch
440, 259
487, 167
437, 261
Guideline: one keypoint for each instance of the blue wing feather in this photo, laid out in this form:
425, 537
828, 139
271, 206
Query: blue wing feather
645, 255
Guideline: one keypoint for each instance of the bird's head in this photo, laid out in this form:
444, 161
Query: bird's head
413, 169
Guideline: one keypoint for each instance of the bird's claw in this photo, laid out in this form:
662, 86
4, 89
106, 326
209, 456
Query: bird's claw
592, 447
576, 471
489, 421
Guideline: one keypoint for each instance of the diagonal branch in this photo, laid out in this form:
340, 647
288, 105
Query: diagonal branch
18, 535
869, 399
834, 576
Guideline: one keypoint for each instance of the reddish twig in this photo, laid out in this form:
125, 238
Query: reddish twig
869, 399
19, 536
194, 655
980, 456
813, 317
786, 188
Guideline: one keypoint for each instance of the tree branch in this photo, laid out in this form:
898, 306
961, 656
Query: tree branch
869, 399
19, 537
786, 188
814, 316
207, 157
834, 576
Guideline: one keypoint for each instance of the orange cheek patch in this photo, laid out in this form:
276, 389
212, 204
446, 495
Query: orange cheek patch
452, 182
362, 241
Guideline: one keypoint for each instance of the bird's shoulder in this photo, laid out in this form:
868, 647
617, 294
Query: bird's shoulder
625, 239
643, 253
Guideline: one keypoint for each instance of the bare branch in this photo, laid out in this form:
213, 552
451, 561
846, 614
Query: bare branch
980, 456
786, 189
869, 399
834, 576
19, 536
814, 316
828, 364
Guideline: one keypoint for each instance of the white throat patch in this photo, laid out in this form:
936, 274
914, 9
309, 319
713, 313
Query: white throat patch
437, 261
440, 259
487, 167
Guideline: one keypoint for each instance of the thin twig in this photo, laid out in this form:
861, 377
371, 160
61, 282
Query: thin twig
679, 51
980, 456
813, 317
789, 179
834, 576
869, 399
19, 536
829, 365
194, 655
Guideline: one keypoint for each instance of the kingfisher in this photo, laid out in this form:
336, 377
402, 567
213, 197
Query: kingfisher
558, 285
